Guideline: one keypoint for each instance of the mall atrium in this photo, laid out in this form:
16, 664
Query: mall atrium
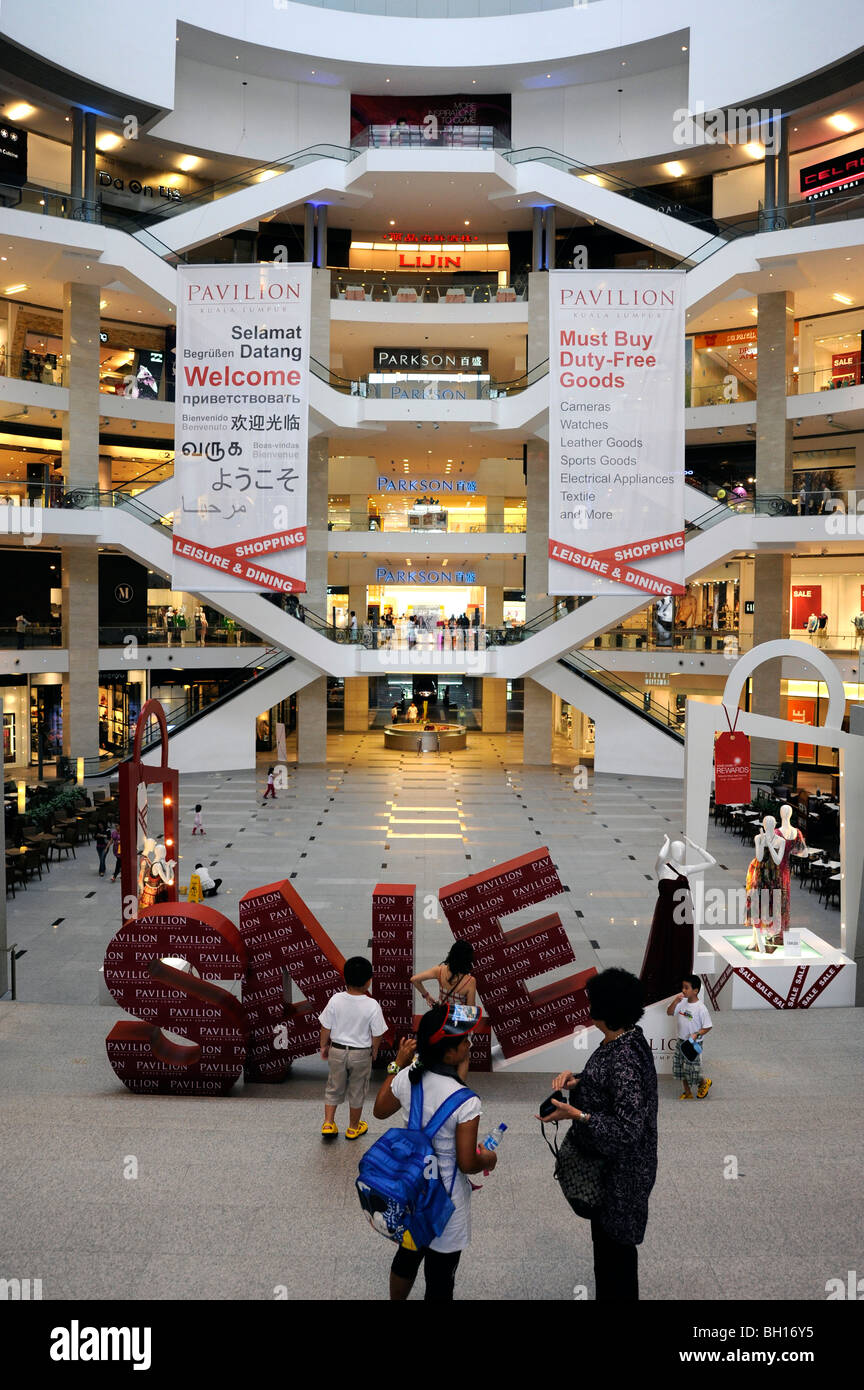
374, 270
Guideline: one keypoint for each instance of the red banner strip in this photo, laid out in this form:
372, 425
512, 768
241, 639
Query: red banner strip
796, 987
256, 545
714, 991
625, 575
816, 989
643, 550
761, 988
241, 569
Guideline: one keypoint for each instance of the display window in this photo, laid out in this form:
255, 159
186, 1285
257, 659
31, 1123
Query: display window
46, 720
830, 352
9, 738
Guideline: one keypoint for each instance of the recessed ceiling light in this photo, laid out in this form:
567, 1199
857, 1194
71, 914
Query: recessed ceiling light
14, 289
188, 162
674, 168
842, 298
20, 111
841, 122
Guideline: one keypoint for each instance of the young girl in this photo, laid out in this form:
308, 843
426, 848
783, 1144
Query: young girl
198, 826
456, 984
271, 785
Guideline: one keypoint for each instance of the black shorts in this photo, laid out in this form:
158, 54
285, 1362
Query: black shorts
439, 1269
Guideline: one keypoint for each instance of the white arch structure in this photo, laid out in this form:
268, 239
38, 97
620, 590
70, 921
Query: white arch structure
704, 721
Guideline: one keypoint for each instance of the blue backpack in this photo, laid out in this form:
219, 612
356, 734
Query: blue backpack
399, 1186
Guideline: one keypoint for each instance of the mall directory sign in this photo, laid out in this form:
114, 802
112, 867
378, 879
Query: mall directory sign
616, 432
242, 425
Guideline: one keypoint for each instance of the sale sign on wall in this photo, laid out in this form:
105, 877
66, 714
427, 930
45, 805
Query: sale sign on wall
806, 599
241, 426
800, 710
616, 432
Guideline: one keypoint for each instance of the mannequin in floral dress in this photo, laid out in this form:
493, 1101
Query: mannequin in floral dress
795, 844
764, 880
158, 880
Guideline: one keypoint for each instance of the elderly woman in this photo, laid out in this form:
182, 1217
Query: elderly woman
613, 1104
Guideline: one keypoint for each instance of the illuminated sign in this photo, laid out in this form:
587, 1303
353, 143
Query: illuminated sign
385, 576
443, 359
832, 175
386, 484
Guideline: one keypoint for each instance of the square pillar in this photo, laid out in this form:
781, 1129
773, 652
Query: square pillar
80, 442
494, 711
357, 704
80, 607
537, 736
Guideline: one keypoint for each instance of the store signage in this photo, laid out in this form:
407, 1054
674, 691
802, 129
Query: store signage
832, 175
427, 238
136, 187
656, 678
616, 432
800, 710
278, 934
846, 367
732, 769
749, 605
430, 359
385, 576
421, 485
241, 427
13, 155
806, 600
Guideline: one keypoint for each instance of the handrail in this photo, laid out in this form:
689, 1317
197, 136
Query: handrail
486, 390
622, 692
275, 659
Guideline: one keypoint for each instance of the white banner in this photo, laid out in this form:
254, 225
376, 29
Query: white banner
241, 427
616, 432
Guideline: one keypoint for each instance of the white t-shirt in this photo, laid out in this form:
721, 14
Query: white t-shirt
207, 880
691, 1017
353, 1019
457, 1233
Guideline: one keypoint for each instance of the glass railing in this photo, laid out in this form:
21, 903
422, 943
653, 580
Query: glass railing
48, 202
819, 379
426, 387
720, 393
696, 639
219, 636
641, 702
390, 135
179, 717
34, 635
406, 524
363, 287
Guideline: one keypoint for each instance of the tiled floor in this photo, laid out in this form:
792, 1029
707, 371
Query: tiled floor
235, 1197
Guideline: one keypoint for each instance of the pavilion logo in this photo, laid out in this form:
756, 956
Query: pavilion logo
77, 1343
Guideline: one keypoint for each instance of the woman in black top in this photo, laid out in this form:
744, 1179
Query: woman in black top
614, 1105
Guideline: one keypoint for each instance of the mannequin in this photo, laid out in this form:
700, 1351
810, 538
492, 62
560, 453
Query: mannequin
763, 881
145, 860
158, 882
858, 625
793, 843
669, 953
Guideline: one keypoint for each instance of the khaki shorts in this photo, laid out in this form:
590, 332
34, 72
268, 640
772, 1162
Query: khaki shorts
350, 1070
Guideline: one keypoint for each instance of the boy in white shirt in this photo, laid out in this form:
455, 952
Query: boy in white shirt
694, 1021
352, 1027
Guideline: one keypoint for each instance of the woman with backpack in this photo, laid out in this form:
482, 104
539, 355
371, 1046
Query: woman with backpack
442, 1051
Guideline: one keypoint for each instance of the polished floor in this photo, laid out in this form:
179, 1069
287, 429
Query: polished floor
236, 1198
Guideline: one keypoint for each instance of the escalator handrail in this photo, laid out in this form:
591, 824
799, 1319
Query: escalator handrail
608, 687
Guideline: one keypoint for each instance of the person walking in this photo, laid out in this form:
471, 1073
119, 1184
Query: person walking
694, 1021
102, 841
118, 857
21, 626
613, 1106
271, 785
198, 823
442, 1055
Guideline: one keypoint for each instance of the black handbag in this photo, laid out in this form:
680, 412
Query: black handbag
581, 1175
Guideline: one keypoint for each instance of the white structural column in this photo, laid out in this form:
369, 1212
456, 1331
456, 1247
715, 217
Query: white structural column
80, 567
537, 741
772, 573
312, 700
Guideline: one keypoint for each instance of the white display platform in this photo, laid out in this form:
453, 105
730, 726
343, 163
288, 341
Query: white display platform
820, 977
571, 1053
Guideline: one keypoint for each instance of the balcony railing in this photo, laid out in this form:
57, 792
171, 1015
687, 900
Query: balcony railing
374, 384
351, 286
401, 524
390, 135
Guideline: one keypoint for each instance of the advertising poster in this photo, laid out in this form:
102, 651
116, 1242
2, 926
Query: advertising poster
800, 710
241, 421
806, 599
616, 432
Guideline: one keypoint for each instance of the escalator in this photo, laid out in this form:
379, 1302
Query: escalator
643, 706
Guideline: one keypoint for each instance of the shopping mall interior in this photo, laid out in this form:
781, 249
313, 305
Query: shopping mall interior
427, 702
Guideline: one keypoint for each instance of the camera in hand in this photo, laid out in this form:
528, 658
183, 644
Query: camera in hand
548, 1108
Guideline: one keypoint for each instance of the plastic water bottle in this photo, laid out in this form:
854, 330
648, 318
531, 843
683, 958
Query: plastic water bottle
492, 1141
